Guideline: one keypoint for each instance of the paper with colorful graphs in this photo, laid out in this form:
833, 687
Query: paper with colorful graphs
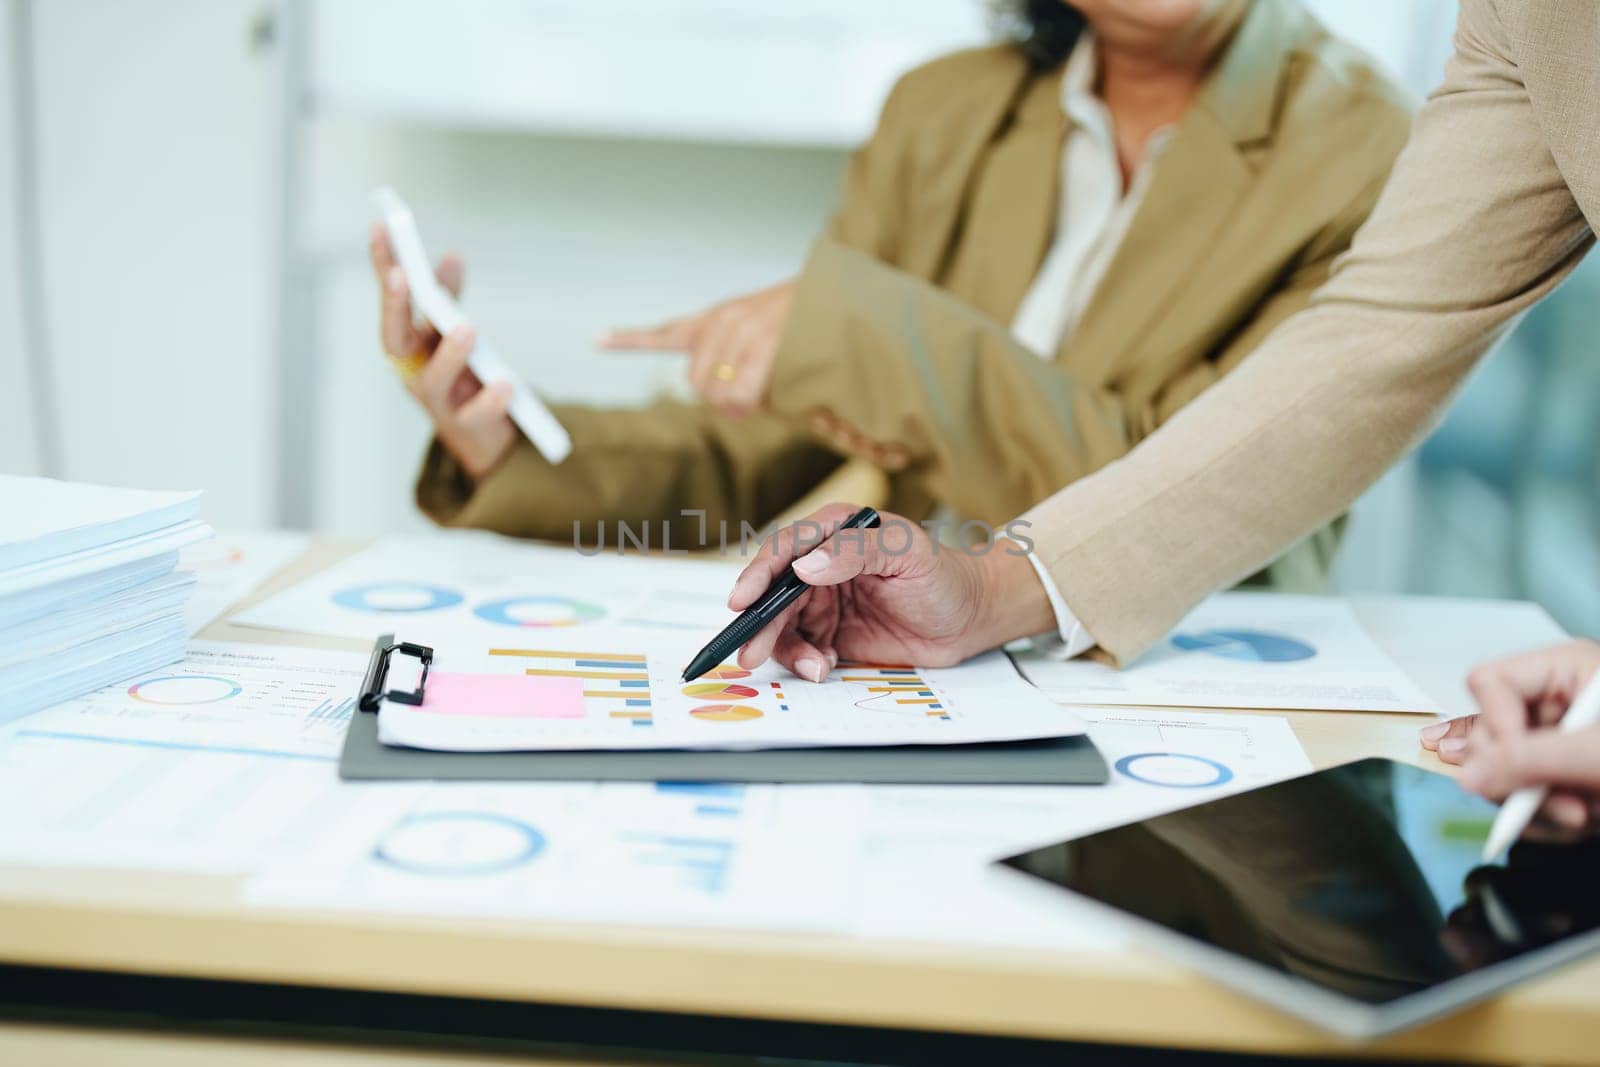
545, 648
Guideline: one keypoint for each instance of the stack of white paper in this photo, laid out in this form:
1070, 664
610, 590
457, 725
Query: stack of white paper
89, 594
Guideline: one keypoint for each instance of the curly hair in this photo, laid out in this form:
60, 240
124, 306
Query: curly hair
1045, 30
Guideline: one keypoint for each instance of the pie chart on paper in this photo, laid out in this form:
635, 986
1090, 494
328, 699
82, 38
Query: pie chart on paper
1250, 646
719, 691
726, 672
726, 712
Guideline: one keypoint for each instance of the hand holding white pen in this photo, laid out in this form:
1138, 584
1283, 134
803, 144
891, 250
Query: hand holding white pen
1520, 807
1536, 741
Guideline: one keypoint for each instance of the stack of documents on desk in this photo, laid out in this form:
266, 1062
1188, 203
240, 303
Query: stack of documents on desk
89, 593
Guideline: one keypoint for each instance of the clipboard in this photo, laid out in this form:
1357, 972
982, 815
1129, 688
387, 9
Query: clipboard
1052, 761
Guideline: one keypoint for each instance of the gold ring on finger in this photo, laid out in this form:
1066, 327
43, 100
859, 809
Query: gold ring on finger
409, 366
724, 372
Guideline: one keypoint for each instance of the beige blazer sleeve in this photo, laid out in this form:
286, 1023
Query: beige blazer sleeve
889, 366
1475, 225
679, 470
933, 384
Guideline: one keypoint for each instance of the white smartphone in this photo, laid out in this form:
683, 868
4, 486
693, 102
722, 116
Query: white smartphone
440, 308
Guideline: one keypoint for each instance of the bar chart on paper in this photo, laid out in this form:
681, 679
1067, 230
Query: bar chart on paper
624, 627
616, 685
895, 690
634, 697
717, 799
696, 864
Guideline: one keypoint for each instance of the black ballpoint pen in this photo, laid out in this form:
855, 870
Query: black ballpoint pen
779, 595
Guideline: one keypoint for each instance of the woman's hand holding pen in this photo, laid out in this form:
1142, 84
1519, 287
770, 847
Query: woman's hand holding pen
472, 422
731, 346
1513, 742
887, 595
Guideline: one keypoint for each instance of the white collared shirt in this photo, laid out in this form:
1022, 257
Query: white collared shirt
1092, 218
1093, 213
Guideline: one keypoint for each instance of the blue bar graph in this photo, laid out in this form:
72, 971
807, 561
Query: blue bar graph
702, 863
716, 799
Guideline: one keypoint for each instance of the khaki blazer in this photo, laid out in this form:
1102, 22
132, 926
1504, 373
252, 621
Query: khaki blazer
898, 350
1491, 205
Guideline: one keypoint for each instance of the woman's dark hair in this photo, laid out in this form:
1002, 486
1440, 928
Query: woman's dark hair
1045, 30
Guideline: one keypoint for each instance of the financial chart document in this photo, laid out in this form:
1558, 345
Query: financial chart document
624, 627
210, 764
684, 853
1247, 650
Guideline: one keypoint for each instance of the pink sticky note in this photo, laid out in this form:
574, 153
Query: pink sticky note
503, 696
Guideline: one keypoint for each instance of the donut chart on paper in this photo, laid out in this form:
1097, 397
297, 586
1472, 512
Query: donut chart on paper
458, 844
1174, 770
180, 690
397, 598
539, 612
726, 712
1249, 646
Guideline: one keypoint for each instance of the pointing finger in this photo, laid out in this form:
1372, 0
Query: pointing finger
801, 657
674, 336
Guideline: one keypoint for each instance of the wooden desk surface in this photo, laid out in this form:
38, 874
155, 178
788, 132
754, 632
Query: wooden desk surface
196, 926
57, 1045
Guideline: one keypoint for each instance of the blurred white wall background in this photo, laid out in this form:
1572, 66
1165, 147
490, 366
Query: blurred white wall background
154, 171
17, 450
596, 162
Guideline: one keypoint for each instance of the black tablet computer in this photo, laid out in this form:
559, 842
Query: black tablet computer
1352, 897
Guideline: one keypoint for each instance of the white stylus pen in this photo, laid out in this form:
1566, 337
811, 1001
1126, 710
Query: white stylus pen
1519, 808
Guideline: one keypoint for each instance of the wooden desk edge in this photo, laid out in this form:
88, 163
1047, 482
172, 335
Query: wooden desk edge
1131, 999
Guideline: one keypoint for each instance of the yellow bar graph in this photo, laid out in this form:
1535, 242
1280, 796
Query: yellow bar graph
626, 659
873, 679
604, 676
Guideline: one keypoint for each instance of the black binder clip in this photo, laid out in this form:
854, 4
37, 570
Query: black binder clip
372, 694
